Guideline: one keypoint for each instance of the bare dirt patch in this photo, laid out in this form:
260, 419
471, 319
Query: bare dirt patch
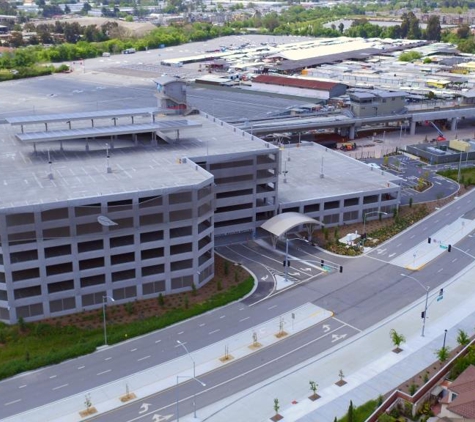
134, 29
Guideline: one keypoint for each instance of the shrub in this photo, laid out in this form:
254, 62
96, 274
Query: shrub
413, 388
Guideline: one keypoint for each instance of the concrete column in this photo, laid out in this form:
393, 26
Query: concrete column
352, 132
453, 124
412, 130
135, 138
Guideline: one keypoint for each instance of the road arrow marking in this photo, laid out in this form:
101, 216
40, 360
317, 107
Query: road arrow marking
144, 408
380, 251
160, 418
326, 328
390, 256
305, 269
265, 277
336, 337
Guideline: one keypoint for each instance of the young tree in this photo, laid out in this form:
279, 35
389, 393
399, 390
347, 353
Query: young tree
276, 406
462, 338
313, 387
443, 354
351, 415
397, 338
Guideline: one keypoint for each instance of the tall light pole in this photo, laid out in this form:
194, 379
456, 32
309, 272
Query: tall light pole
445, 336
104, 303
189, 354
426, 288
369, 213
177, 395
194, 377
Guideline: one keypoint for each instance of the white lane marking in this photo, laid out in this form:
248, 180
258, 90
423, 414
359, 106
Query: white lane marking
453, 260
222, 316
158, 341
272, 307
391, 255
241, 309
212, 332
397, 246
424, 229
467, 250
202, 325
22, 386
181, 332
458, 208
145, 357
440, 270
81, 367
60, 386
346, 324
413, 236
12, 402
436, 221
104, 372
52, 376
109, 358
133, 350
244, 319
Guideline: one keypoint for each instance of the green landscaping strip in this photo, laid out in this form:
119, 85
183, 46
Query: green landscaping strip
28, 346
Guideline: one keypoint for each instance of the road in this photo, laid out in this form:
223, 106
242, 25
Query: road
368, 290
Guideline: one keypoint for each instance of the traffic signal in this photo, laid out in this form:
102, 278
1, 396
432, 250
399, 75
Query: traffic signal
341, 268
449, 248
423, 314
429, 240
322, 262
286, 263
441, 292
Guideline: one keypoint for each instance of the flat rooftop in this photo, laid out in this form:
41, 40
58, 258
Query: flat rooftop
78, 173
343, 175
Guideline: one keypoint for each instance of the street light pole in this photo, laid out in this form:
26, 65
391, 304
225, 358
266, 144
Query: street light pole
178, 398
426, 288
194, 377
286, 258
104, 302
445, 335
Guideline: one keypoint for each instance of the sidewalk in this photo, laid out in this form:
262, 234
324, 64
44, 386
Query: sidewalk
367, 361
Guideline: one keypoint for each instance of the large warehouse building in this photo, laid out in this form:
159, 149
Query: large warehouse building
131, 211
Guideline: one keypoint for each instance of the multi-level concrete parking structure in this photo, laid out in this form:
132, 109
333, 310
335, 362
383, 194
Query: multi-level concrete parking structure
132, 211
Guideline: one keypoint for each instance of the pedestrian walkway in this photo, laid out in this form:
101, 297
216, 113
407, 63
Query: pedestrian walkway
369, 366
161, 377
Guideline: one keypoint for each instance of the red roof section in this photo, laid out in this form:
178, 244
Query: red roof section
295, 82
464, 385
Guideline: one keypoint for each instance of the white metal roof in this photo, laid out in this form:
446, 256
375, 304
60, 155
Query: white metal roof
282, 223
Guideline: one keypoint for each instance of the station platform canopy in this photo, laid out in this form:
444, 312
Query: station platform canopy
93, 132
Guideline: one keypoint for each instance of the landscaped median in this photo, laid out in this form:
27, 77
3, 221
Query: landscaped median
28, 346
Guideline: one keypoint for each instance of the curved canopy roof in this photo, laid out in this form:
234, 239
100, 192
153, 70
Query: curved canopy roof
282, 223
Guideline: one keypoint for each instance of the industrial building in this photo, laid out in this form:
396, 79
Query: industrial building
132, 210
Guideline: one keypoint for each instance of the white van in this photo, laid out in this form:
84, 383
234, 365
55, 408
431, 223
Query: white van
106, 54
